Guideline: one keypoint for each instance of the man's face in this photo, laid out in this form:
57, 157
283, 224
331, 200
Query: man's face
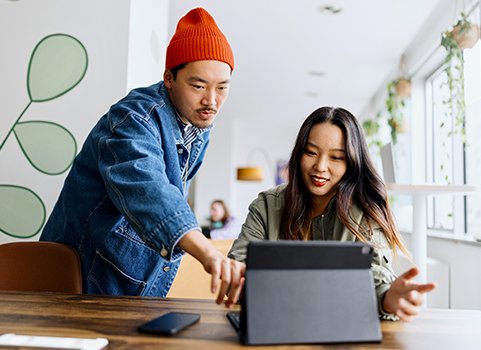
199, 90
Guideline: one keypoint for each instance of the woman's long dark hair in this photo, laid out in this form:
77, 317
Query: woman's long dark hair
361, 185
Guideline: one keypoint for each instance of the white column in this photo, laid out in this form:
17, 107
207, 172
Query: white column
419, 235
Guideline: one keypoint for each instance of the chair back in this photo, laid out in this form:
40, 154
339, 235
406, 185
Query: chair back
40, 267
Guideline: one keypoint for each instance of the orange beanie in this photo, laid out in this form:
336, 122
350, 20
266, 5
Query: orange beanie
197, 38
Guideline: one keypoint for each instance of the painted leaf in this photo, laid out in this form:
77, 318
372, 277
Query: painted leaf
58, 63
22, 212
49, 147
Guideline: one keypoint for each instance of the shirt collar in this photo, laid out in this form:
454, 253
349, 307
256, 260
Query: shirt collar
189, 131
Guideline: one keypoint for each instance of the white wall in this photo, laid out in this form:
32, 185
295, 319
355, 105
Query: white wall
125, 43
464, 259
22, 25
148, 38
234, 142
214, 180
455, 265
251, 140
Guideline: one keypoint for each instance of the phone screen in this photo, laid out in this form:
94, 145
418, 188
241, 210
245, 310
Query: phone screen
170, 323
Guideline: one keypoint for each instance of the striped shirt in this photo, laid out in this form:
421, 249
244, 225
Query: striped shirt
189, 131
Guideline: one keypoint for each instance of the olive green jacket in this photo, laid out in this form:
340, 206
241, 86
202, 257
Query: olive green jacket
263, 223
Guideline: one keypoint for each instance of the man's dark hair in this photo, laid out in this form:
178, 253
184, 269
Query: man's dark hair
175, 69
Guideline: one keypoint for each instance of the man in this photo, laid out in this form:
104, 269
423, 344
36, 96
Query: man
123, 205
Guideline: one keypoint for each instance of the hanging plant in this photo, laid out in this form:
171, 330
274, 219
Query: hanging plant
371, 130
453, 41
394, 105
465, 33
371, 127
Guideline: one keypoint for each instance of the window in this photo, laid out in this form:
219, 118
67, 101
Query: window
472, 85
449, 159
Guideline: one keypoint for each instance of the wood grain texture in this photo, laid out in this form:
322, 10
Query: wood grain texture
117, 319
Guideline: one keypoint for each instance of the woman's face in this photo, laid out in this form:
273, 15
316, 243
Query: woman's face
324, 162
216, 211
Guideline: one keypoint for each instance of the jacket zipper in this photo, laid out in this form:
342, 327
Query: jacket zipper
322, 227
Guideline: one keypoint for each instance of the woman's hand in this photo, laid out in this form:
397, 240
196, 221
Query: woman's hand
405, 296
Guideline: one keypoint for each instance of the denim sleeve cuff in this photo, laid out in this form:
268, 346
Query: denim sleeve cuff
176, 252
166, 235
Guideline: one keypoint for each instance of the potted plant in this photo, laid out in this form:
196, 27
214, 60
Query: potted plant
394, 105
463, 35
371, 130
403, 84
403, 87
371, 127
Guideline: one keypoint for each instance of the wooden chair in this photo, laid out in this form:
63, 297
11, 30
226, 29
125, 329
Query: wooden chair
191, 280
40, 267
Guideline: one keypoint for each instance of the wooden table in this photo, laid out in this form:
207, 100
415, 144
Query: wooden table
117, 319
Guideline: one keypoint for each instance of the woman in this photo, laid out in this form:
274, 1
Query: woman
335, 193
222, 224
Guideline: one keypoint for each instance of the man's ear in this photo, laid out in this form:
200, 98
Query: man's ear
168, 79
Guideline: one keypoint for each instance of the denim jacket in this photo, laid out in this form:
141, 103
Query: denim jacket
123, 205
264, 220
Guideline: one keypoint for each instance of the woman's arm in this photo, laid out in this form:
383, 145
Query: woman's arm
383, 276
404, 297
398, 297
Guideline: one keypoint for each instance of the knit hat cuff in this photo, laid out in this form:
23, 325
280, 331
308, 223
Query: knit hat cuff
192, 49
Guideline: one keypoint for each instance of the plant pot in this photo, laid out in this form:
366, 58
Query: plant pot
403, 87
466, 38
403, 127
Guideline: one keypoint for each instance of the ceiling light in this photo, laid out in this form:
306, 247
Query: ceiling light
252, 172
331, 9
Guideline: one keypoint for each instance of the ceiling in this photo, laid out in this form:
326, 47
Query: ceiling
292, 56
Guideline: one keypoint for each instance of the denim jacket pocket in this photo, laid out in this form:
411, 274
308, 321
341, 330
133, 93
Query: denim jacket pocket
123, 264
106, 278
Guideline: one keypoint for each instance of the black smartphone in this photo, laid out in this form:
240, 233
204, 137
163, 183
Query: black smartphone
170, 323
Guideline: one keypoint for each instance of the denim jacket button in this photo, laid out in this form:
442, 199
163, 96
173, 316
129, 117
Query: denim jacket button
180, 150
166, 269
164, 252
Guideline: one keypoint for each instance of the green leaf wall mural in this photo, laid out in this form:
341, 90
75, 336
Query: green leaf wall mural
22, 212
57, 64
49, 147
